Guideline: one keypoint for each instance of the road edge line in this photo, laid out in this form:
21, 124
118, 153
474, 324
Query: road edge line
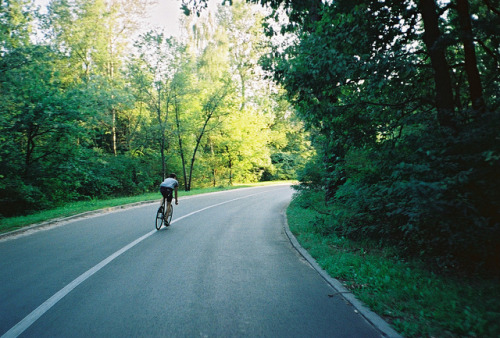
374, 319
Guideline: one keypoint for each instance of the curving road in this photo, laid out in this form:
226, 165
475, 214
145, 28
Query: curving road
225, 267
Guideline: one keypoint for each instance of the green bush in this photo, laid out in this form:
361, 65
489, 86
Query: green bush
92, 174
109, 175
434, 195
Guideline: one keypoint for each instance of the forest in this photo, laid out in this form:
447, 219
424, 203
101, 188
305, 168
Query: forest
93, 106
388, 109
401, 98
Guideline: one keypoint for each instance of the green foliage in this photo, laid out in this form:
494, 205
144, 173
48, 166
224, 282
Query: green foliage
85, 116
397, 164
15, 25
39, 124
429, 201
103, 175
415, 301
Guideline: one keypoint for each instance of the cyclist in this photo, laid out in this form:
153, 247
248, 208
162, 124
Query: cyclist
167, 188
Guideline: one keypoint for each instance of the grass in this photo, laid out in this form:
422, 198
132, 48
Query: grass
74, 208
415, 301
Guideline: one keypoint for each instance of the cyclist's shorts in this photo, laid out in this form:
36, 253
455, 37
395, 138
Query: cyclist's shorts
167, 193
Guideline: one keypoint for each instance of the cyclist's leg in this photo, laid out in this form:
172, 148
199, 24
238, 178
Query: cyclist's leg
169, 208
163, 193
169, 198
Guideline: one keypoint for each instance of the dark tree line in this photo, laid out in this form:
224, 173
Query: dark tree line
410, 138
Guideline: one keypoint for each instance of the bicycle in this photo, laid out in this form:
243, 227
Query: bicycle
160, 216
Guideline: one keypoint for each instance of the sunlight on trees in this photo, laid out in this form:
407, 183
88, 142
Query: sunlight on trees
86, 112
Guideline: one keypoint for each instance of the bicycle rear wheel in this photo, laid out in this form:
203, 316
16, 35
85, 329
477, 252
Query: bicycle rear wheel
159, 218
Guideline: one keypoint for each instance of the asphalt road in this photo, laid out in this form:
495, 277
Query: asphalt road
224, 268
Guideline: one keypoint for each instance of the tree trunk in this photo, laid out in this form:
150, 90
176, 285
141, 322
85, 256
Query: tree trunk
113, 130
243, 88
436, 48
30, 148
214, 170
230, 172
209, 108
475, 86
198, 141
230, 166
181, 149
111, 74
162, 136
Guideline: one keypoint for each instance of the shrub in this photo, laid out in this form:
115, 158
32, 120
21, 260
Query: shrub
432, 194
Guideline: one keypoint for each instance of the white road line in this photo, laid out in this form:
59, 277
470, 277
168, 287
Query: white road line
24, 324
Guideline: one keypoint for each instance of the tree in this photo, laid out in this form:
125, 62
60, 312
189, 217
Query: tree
402, 139
154, 68
96, 51
15, 25
209, 90
242, 25
83, 116
40, 126
240, 143
470, 59
436, 47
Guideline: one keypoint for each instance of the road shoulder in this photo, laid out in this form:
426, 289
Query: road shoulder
381, 325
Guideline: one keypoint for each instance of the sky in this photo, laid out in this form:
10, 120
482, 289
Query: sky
164, 14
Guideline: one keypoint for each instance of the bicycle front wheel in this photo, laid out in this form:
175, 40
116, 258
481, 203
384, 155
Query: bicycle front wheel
159, 218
